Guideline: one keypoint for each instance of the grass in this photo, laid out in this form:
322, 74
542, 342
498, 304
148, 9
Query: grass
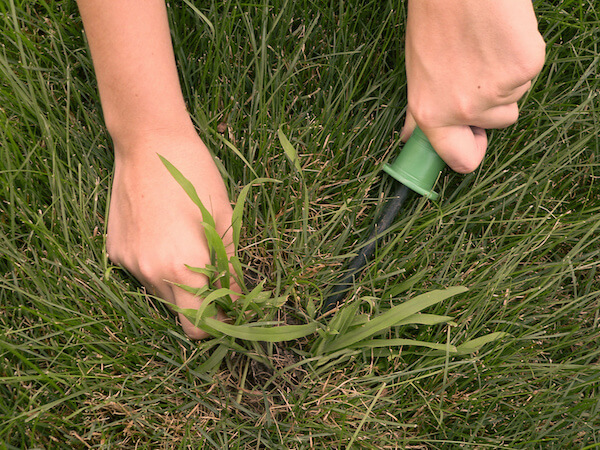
88, 360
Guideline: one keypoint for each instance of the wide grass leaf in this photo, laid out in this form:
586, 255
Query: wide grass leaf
475, 344
189, 189
215, 242
376, 343
261, 333
426, 319
238, 210
392, 317
289, 150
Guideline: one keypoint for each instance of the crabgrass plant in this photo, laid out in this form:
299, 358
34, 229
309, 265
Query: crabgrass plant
252, 313
89, 360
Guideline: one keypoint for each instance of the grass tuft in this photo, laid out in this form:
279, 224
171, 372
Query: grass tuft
312, 95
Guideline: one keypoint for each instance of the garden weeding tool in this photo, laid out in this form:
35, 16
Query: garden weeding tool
416, 168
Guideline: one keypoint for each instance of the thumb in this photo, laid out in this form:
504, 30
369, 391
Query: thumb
408, 128
461, 147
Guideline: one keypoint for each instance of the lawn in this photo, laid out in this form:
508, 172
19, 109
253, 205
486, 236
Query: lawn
311, 95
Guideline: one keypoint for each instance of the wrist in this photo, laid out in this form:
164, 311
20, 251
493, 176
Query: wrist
133, 134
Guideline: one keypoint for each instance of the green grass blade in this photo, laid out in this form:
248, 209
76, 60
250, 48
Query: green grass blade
425, 319
238, 210
214, 240
206, 307
215, 359
393, 317
289, 150
475, 344
189, 189
377, 343
202, 16
261, 333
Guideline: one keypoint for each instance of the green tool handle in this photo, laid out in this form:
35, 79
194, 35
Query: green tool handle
417, 166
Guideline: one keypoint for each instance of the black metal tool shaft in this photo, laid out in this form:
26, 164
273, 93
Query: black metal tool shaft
390, 211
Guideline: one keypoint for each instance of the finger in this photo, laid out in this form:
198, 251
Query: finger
515, 84
186, 300
461, 147
515, 94
498, 117
409, 126
166, 292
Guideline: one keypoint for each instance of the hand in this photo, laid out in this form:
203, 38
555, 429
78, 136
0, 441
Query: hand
154, 228
468, 62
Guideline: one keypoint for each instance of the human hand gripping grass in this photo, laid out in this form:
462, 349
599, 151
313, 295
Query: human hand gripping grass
156, 251
152, 228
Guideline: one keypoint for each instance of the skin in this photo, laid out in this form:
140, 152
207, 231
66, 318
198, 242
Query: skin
153, 227
468, 62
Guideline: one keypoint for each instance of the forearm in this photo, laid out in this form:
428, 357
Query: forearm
135, 67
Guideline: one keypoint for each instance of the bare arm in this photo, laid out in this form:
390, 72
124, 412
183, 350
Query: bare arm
135, 66
153, 228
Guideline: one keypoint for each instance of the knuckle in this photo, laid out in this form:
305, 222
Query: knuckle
465, 111
533, 62
178, 271
113, 254
539, 58
147, 270
425, 115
